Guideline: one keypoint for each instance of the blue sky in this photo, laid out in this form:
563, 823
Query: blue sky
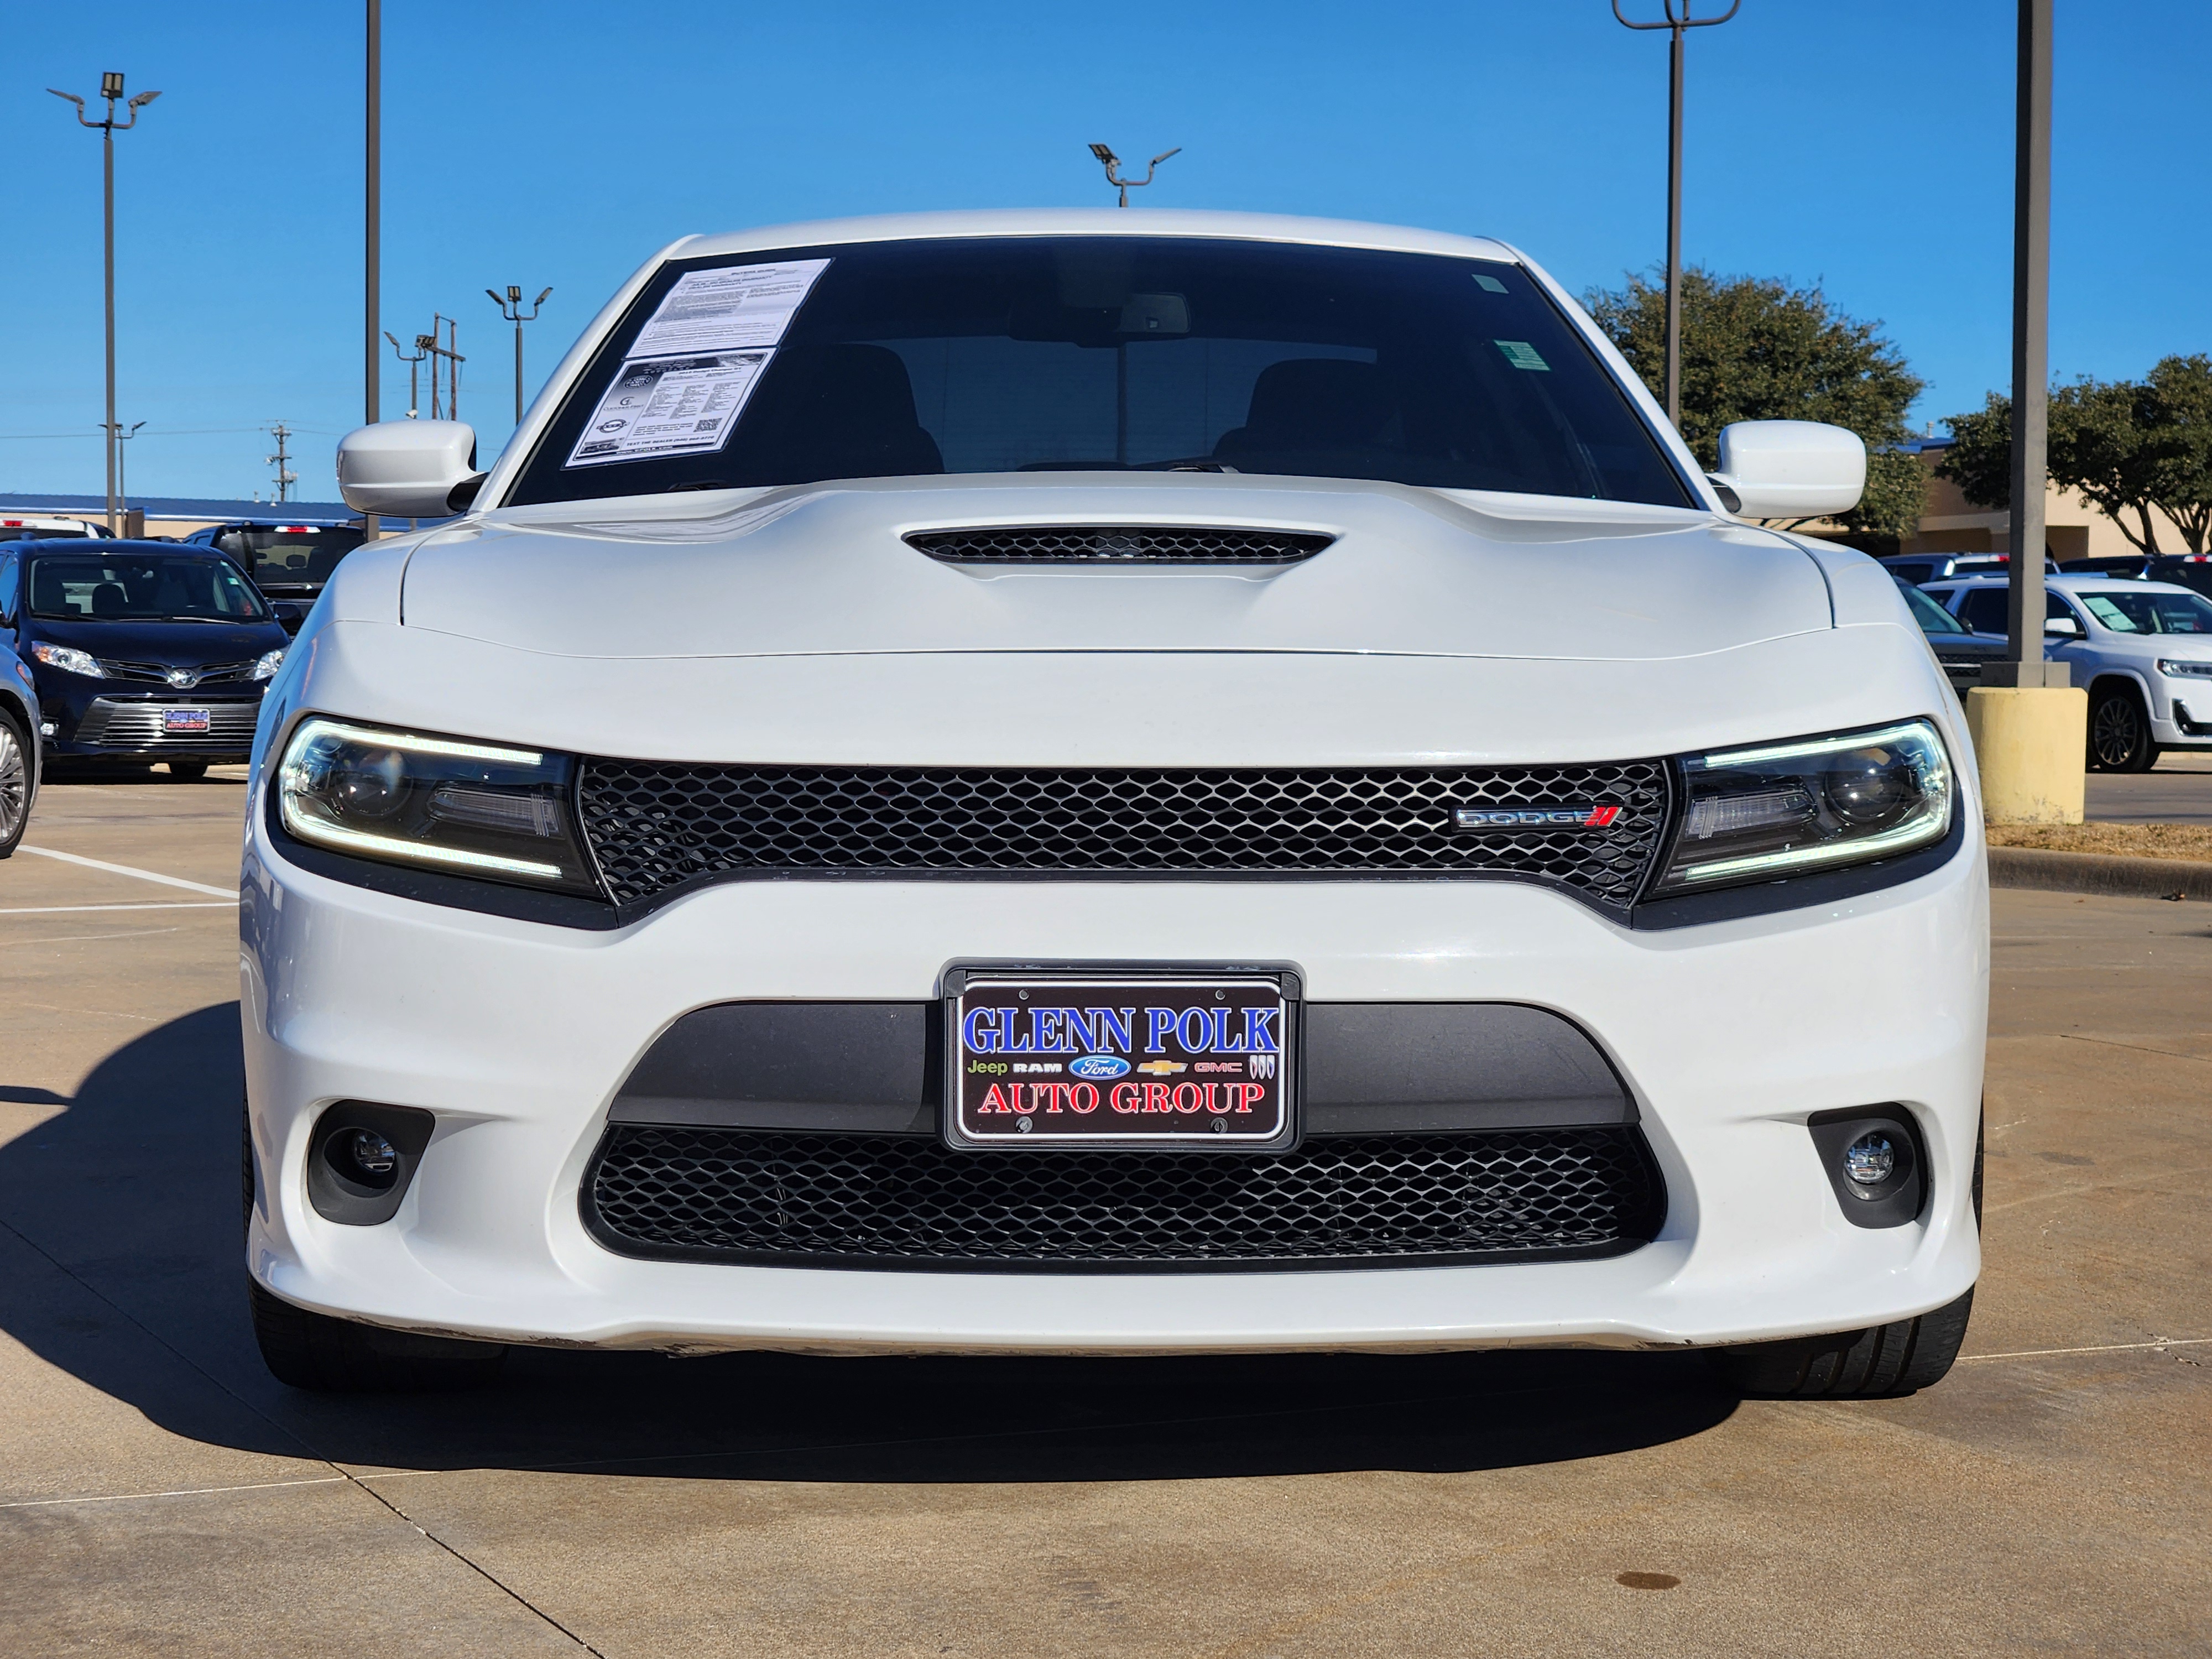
1867, 146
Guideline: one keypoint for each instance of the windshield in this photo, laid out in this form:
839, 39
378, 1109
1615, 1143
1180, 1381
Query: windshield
1051, 354
141, 587
2141, 610
278, 553
1932, 617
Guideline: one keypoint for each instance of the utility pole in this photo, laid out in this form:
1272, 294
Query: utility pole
1113, 163
285, 479
414, 385
511, 308
452, 361
1678, 19
111, 89
372, 302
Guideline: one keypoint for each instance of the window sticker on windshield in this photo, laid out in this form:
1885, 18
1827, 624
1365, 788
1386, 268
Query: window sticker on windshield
695, 363
1521, 354
728, 309
1488, 284
2110, 614
660, 406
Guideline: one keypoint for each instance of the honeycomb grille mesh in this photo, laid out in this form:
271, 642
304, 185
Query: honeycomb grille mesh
908, 1201
1118, 544
655, 826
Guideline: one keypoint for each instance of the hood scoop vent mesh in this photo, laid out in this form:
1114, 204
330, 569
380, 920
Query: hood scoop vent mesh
1118, 544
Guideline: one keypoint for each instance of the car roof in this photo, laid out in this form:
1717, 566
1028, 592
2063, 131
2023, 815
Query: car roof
2068, 582
1094, 222
119, 545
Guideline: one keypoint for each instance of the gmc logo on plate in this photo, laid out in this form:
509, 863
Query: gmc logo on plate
1534, 818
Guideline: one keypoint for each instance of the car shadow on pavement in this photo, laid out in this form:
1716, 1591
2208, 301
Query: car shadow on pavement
124, 1212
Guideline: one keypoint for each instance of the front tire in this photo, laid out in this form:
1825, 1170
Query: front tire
311, 1350
1896, 1358
2119, 730
18, 788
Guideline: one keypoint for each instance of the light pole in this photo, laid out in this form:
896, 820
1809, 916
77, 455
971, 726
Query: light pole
372, 194
1112, 164
1677, 21
122, 478
111, 89
511, 308
414, 370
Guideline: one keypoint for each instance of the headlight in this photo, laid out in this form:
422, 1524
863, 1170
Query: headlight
1785, 808
2185, 671
69, 660
470, 809
266, 668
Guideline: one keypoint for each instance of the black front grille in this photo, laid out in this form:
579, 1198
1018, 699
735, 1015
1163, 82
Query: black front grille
222, 673
1118, 544
655, 827
909, 1201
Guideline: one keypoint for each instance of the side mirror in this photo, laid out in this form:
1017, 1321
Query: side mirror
288, 615
1789, 469
409, 469
2066, 625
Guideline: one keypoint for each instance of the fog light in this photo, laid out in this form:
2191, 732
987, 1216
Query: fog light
47, 728
1870, 1160
376, 1158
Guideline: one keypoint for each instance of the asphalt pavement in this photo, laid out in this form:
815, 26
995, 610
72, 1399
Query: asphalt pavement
2178, 790
160, 1494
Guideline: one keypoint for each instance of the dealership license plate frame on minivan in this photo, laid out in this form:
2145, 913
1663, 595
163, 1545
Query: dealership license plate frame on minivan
1175, 1058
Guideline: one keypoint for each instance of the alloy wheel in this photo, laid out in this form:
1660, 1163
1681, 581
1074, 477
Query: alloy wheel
14, 783
2117, 732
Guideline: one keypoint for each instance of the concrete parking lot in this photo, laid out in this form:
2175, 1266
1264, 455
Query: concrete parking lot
160, 1494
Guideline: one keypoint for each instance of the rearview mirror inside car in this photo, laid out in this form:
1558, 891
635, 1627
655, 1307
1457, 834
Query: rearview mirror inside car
1790, 468
408, 469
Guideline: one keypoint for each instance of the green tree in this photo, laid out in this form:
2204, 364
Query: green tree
2132, 449
1754, 348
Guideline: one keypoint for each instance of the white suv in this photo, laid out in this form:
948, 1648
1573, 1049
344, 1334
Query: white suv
1114, 783
2141, 650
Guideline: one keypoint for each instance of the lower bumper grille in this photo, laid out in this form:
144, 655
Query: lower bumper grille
892, 1201
136, 727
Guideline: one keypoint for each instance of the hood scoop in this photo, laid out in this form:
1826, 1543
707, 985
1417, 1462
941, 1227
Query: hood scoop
1117, 543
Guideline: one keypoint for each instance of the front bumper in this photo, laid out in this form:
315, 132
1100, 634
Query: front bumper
517, 1035
114, 719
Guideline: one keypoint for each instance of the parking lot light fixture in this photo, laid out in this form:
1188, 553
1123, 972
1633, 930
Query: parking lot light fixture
1676, 18
511, 308
111, 89
1112, 163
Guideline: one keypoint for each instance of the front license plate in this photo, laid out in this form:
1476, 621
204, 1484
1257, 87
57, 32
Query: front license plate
185, 719
1069, 1060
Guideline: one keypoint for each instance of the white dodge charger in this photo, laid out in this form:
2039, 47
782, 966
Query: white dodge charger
1108, 783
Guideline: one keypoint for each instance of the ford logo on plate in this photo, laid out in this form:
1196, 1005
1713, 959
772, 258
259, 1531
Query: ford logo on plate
1099, 1067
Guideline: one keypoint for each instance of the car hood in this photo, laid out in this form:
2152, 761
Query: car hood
174, 645
823, 569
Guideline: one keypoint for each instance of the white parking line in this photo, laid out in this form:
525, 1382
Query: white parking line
126, 870
81, 909
2108, 1347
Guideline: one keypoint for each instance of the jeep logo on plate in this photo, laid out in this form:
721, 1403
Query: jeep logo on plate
1582, 816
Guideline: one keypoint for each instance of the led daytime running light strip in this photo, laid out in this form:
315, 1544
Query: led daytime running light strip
1781, 751
1926, 828
409, 852
451, 747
